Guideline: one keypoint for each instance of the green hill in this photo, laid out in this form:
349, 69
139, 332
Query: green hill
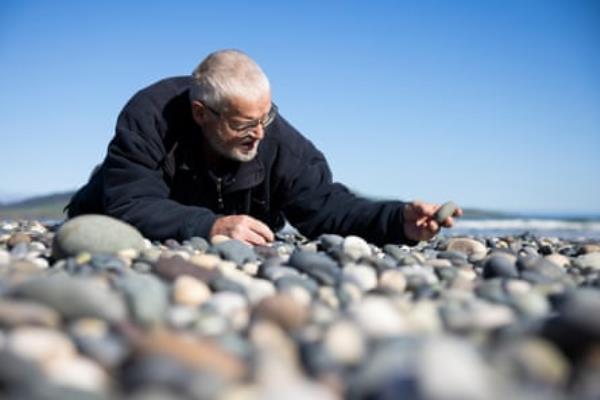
39, 207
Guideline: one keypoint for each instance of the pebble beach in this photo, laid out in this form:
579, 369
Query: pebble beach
90, 309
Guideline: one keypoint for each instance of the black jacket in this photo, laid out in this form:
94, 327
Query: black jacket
154, 177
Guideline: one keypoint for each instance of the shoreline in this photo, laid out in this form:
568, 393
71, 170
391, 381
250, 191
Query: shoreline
456, 317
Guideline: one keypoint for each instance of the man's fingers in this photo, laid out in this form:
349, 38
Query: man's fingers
261, 229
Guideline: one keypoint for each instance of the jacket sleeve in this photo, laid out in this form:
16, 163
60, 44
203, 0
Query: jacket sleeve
315, 204
135, 190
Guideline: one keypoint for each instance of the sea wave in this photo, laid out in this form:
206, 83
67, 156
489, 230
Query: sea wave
528, 224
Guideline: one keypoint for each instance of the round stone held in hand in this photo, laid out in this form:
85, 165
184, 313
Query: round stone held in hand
445, 211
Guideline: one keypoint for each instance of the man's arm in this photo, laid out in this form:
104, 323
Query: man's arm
134, 188
315, 204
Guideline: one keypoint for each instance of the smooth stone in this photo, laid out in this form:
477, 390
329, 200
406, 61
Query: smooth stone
275, 272
18, 237
146, 296
16, 313
170, 268
439, 377
141, 267
356, 247
223, 284
378, 318
107, 262
251, 268
181, 316
395, 251
217, 239
423, 318
94, 339
439, 263
75, 297
591, 260
328, 296
206, 261
363, 275
77, 372
41, 345
499, 266
19, 251
198, 353
581, 311
95, 234
283, 310
445, 211
329, 240
306, 283
345, 343
4, 257
558, 259
590, 248
316, 265
393, 280
18, 373
258, 289
190, 291
199, 243
531, 304
533, 361
211, 323
231, 305
234, 250
517, 287
468, 246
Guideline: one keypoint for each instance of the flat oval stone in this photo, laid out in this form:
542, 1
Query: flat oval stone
466, 245
95, 234
356, 247
499, 266
283, 310
445, 211
317, 265
146, 296
234, 250
74, 297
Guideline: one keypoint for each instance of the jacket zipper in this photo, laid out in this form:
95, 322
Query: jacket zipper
220, 202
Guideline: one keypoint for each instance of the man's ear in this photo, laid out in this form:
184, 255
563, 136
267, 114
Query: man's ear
199, 112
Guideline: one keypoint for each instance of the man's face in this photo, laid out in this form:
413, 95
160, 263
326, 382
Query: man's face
222, 128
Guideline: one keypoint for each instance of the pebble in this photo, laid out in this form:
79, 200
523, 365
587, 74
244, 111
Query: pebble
393, 280
499, 266
345, 343
356, 247
316, 265
591, 260
335, 316
190, 291
467, 246
95, 234
363, 275
283, 310
378, 318
234, 250
445, 211
146, 296
74, 297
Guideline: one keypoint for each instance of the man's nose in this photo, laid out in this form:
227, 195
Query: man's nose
258, 132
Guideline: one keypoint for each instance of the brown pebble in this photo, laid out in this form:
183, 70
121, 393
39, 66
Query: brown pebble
17, 238
283, 310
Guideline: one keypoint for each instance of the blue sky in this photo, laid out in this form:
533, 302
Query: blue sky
494, 104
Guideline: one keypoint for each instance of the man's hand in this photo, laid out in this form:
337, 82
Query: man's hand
420, 223
244, 228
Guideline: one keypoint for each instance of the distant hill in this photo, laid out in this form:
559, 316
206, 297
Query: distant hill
51, 206
38, 207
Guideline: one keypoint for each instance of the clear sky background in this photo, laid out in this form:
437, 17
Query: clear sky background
494, 104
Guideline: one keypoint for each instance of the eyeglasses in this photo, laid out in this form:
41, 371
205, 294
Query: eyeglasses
247, 126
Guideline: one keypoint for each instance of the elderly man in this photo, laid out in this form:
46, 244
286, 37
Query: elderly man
210, 154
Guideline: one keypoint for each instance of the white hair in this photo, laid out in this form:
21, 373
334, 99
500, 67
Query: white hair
225, 75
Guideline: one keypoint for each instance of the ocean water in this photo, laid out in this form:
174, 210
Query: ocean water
580, 228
